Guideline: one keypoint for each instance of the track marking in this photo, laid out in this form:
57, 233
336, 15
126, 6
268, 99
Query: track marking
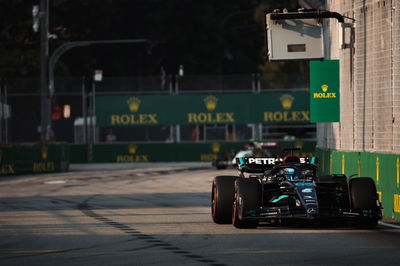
55, 182
85, 209
389, 225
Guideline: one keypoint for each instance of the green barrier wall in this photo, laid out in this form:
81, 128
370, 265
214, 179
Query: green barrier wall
33, 158
78, 153
172, 152
383, 168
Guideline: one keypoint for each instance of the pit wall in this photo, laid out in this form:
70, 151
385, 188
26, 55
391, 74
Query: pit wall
17, 159
171, 152
383, 168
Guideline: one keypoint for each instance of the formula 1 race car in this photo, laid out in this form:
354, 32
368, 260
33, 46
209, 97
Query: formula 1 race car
224, 160
280, 190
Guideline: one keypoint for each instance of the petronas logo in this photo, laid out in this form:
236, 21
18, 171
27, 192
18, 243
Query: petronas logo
134, 104
324, 88
132, 148
210, 102
44, 152
287, 101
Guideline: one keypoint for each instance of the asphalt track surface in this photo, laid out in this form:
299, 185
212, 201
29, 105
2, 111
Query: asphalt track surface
159, 214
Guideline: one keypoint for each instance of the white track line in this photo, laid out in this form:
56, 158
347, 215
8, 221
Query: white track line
389, 225
55, 182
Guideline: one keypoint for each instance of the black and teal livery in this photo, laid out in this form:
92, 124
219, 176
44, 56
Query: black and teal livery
281, 189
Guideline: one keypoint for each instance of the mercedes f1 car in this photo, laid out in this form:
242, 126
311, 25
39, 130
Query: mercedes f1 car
224, 160
278, 190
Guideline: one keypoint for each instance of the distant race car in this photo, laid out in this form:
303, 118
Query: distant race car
279, 190
224, 160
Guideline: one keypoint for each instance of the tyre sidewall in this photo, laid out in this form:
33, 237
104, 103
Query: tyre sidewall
363, 197
222, 195
247, 198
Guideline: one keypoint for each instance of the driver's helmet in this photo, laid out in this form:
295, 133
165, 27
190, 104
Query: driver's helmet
290, 174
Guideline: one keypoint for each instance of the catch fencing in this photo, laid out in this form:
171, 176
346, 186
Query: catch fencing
73, 100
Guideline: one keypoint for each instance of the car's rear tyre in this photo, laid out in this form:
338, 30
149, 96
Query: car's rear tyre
247, 198
222, 194
220, 160
363, 197
219, 165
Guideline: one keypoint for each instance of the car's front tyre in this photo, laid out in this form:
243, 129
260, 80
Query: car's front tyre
247, 199
222, 198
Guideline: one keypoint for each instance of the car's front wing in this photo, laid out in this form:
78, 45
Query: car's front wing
288, 212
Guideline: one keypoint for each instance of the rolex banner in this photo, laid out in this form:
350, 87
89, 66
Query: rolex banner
273, 107
324, 91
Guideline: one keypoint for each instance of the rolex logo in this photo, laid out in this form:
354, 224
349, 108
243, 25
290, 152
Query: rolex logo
298, 145
287, 101
215, 147
210, 102
132, 148
324, 93
44, 152
134, 104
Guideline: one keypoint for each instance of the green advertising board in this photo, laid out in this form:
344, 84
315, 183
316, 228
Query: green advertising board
280, 107
16, 159
324, 91
273, 107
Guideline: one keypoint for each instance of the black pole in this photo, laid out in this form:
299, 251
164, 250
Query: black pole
2, 110
59, 51
94, 122
307, 14
45, 100
6, 117
84, 112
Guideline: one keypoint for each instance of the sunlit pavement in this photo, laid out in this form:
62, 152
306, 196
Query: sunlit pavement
159, 215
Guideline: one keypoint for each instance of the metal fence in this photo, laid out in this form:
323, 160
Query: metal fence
24, 98
370, 79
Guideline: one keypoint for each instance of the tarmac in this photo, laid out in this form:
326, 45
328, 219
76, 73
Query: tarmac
387, 222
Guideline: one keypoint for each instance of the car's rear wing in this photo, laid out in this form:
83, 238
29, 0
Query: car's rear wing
259, 165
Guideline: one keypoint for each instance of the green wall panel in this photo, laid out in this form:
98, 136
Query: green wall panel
33, 158
383, 168
78, 153
336, 163
350, 163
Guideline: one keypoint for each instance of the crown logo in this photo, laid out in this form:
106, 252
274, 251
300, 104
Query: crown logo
287, 101
215, 147
210, 102
134, 104
324, 88
44, 152
298, 144
132, 148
